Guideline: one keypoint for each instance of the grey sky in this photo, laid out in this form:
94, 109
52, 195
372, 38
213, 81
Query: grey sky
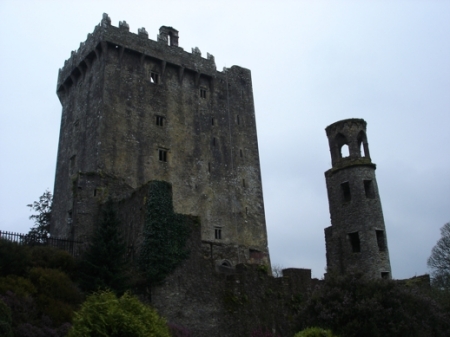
312, 62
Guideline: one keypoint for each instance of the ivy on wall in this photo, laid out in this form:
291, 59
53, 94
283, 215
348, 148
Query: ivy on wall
165, 234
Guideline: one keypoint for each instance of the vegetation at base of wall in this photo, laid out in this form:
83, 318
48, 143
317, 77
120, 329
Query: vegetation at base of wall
165, 235
5, 320
103, 265
104, 314
36, 287
314, 332
353, 306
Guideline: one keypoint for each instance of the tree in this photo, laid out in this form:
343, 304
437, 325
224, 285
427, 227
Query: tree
439, 261
103, 265
41, 229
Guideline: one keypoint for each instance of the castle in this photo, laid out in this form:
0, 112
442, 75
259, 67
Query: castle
135, 111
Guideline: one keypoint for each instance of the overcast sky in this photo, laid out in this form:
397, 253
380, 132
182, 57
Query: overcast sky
313, 63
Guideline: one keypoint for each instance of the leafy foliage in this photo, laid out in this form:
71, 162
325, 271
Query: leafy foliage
103, 265
314, 332
39, 294
165, 235
14, 258
439, 261
43, 207
103, 314
5, 320
352, 306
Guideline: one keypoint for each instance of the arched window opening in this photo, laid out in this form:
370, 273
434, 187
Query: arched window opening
342, 145
345, 152
362, 145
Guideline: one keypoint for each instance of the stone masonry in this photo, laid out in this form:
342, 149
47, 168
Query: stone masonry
135, 110
356, 240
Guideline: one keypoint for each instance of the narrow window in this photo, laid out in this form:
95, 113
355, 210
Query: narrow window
209, 167
246, 210
202, 93
160, 120
240, 152
154, 78
238, 120
214, 141
243, 182
385, 275
345, 187
162, 155
218, 233
380, 241
95, 192
212, 121
368, 188
354, 241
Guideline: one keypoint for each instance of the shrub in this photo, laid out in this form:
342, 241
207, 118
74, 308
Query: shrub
51, 257
5, 320
17, 284
103, 314
352, 306
14, 258
314, 332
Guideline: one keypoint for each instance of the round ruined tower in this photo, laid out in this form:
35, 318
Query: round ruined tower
356, 241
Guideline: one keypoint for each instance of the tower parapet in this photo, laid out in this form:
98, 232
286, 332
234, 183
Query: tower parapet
105, 35
356, 240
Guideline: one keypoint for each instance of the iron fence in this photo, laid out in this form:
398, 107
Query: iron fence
70, 246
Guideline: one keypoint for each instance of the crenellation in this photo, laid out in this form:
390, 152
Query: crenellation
123, 25
142, 33
196, 52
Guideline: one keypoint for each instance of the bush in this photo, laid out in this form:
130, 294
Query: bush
14, 258
314, 332
5, 320
19, 285
103, 314
51, 257
352, 306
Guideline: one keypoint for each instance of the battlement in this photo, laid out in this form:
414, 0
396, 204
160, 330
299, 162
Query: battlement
165, 49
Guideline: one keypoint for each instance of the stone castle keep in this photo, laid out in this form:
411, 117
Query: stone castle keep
135, 111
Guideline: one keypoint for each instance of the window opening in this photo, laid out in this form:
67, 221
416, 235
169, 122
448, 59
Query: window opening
368, 189
218, 233
238, 120
214, 141
240, 152
162, 155
385, 275
95, 192
212, 121
345, 187
209, 167
380, 241
345, 152
243, 182
246, 210
202, 93
154, 78
160, 120
354, 241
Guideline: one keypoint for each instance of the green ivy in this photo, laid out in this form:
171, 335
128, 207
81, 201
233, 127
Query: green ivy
165, 234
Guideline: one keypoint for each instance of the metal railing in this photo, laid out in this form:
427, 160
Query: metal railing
69, 246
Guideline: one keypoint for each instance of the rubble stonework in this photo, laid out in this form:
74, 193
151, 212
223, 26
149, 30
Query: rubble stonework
135, 110
356, 241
